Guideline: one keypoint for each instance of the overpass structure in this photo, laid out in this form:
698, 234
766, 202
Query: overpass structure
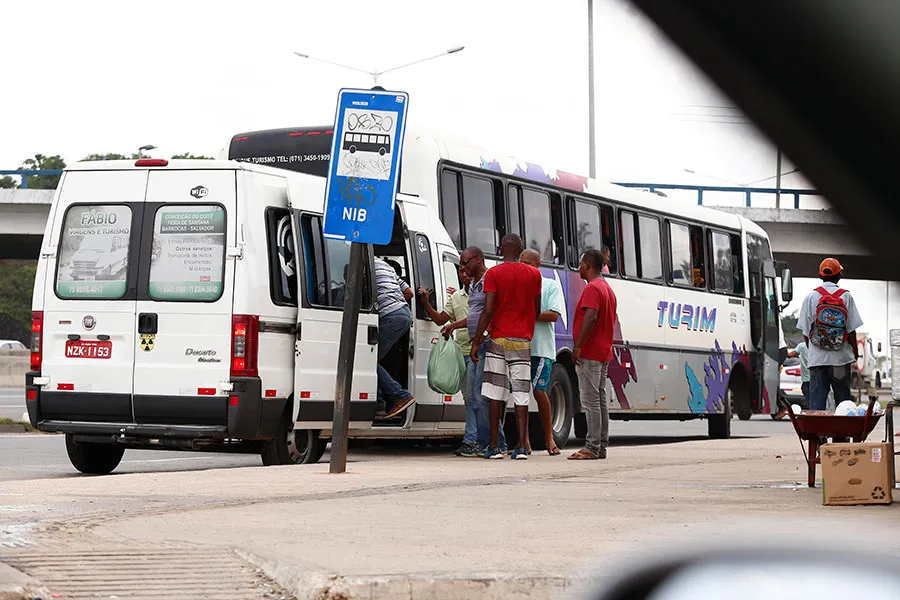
801, 226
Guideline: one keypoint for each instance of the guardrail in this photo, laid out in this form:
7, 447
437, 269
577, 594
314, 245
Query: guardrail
26, 173
746, 191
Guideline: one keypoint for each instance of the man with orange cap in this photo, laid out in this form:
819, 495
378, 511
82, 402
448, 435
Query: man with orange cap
829, 319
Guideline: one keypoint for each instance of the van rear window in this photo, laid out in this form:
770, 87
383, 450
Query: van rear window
187, 261
93, 252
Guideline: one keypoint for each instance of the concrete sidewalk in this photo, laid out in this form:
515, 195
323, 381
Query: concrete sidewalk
426, 525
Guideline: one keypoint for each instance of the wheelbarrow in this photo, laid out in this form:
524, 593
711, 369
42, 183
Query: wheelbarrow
816, 424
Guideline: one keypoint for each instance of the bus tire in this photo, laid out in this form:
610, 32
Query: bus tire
292, 446
92, 458
719, 425
562, 411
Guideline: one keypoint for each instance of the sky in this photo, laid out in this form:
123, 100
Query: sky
109, 76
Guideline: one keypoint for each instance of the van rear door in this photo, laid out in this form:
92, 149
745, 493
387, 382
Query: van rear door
90, 297
185, 296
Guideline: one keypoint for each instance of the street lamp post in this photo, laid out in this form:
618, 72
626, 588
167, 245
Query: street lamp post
592, 159
146, 148
376, 74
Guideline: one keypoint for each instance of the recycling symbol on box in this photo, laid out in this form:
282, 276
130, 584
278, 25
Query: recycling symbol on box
878, 493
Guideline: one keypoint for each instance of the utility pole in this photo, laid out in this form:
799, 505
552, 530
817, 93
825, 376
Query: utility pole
778, 178
592, 158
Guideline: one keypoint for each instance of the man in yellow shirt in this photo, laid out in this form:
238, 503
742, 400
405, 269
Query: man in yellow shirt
457, 310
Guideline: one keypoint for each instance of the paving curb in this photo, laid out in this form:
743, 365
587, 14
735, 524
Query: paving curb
16, 585
306, 585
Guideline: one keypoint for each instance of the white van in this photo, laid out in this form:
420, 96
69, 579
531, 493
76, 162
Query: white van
213, 317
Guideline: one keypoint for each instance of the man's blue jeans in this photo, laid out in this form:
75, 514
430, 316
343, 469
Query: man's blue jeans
471, 436
821, 379
480, 404
391, 328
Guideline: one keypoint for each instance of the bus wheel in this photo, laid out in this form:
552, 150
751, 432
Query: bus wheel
292, 446
720, 424
562, 411
93, 458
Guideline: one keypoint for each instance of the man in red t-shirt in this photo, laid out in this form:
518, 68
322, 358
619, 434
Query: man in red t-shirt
512, 302
595, 319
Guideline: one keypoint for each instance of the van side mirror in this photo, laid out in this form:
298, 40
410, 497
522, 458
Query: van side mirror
787, 285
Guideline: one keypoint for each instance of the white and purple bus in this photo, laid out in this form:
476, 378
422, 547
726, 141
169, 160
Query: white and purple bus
697, 334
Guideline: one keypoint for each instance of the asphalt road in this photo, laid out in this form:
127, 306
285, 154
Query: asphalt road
40, 456
12, 404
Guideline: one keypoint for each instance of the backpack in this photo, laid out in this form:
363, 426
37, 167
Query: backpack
829, 328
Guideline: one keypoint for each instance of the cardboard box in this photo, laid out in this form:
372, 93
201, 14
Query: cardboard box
856, 474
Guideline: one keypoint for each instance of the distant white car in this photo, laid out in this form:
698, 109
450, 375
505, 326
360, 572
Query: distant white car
790, 382
12, 345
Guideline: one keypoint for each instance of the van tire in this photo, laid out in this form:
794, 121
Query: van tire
292, 446
295, 447
561, 395
92, 458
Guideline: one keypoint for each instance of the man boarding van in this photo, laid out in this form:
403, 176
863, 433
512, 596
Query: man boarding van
214, 317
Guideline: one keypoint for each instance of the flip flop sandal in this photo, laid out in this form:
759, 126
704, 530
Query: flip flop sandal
554, 452
582, 455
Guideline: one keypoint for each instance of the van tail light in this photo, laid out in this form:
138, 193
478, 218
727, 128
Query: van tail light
244, 345
795, 371
37, 339
151, 162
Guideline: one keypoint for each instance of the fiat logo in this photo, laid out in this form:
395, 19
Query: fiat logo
88, 322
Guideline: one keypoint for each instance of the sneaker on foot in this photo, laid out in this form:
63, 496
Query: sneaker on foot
469, 451
493, 453
520, 454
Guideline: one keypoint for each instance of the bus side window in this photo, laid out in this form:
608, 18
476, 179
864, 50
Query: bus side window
282, 262
609, 237
725, 263
650, 248
514, 210
628, 243
687, 255
543, 221
424, 272
450, 206
478, 213
587, 227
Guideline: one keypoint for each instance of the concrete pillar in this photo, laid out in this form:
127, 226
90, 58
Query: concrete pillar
895, 365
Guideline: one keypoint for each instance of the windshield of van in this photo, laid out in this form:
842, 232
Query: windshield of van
187, 261
93, 252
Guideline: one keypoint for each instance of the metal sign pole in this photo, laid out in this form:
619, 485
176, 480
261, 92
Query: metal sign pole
360, 197
346, 355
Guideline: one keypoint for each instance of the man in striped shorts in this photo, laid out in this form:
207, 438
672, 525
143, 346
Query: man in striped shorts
511, 306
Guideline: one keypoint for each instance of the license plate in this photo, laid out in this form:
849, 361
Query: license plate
88, 349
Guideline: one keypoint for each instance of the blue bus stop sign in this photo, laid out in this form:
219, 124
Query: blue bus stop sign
361, 189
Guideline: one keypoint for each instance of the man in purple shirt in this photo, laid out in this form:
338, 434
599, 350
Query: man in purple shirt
472, 260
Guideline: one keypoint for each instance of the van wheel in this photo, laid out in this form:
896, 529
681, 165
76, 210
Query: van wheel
719, 425
93, 458
562, 411
292, 446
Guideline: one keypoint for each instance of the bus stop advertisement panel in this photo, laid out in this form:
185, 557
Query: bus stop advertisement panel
360, 196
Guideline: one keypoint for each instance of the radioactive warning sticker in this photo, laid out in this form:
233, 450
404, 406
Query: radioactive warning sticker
147, 341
